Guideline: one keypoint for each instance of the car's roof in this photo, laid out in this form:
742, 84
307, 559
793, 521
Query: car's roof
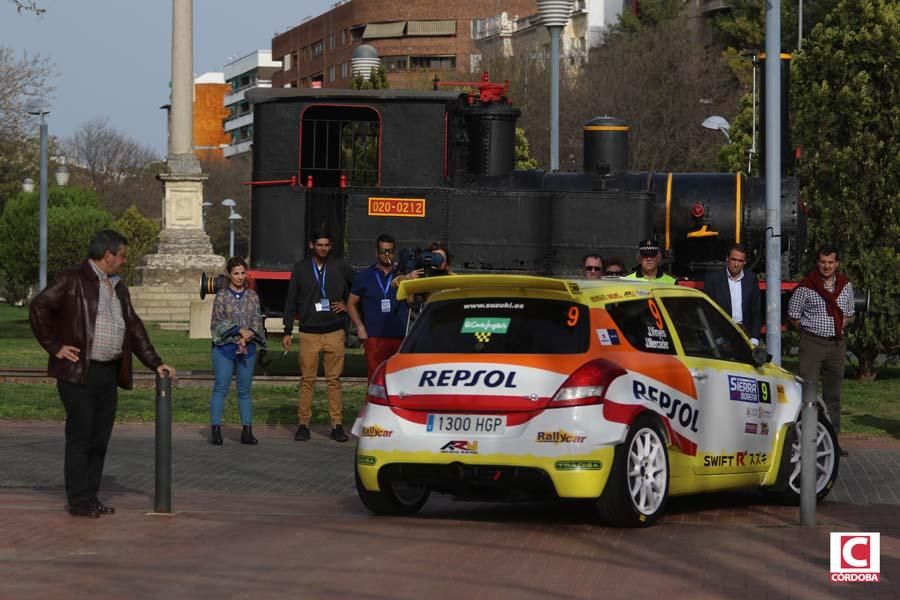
586, 291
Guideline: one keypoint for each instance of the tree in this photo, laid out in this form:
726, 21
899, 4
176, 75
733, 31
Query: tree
31, 6
663, 86
377, 80
523, 157
21, 79
121, 170
141, 233
846, 91
74, 215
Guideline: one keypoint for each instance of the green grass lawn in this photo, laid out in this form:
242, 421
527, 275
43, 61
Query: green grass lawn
272, 405
871, 408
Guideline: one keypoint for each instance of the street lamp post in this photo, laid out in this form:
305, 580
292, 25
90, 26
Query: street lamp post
718, 123
62, 176
554, 14
41, 108
231, 219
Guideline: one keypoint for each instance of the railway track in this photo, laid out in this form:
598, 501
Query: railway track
143, 378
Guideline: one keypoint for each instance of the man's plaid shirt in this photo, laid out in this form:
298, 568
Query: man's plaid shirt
809, 307
109, 326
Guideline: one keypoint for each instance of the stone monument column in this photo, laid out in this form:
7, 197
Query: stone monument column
184, 250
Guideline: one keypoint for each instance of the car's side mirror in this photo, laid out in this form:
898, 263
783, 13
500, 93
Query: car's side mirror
760, 356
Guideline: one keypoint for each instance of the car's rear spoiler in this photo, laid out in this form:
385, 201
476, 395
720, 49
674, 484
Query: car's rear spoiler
427, 285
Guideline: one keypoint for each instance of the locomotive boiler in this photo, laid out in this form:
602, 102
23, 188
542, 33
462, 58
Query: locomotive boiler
439, 165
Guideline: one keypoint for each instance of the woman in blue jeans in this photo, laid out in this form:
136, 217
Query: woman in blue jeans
237, 334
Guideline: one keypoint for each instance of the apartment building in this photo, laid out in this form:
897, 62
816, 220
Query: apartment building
415, 40
507, 35
252, 70
209, 94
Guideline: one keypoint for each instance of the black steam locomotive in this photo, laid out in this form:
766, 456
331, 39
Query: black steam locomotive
439, 165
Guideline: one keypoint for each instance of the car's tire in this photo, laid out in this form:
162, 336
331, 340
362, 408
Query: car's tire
638, 486
828, 459
395, 498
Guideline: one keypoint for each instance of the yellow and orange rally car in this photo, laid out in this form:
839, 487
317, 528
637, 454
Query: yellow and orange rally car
621, 391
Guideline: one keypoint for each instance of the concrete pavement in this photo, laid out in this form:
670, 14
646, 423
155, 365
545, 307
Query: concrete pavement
282, 519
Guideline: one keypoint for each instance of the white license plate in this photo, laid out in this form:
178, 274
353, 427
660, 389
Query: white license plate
474, 424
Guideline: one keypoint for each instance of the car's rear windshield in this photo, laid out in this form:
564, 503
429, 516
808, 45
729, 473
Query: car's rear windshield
500, 326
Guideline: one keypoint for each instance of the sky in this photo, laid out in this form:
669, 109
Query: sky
112, 57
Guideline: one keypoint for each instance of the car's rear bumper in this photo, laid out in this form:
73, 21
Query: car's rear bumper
571, 449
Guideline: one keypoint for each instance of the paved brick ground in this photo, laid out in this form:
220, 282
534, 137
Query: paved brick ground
282, 519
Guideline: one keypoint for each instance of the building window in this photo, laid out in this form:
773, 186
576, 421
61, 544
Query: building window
318, 48
343, 37
474, 63
331, 42
340, 140
286, 62
394, 64
331, 72
345, 70
432, 63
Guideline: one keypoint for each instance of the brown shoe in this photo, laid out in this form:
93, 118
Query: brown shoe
103, 509
83, 510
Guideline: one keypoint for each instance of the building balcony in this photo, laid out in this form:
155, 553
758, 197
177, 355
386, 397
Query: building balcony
239, 122
229, 151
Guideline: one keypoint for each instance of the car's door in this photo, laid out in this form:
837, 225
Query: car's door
735, 398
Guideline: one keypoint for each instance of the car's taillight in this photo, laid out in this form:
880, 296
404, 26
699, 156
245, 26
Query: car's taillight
376, 393
587, 385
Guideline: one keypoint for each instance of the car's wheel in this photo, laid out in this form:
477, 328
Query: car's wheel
827, 462
395, 498
638, 486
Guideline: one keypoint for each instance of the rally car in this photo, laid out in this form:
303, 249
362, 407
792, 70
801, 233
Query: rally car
620, 391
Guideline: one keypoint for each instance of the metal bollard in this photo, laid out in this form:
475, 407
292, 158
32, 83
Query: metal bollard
162, 502
809, 424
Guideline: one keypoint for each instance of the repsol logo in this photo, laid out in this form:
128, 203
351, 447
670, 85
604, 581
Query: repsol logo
673, 408
466, 378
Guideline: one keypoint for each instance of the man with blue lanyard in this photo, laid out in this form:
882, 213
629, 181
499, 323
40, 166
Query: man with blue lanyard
382, 324
317, 292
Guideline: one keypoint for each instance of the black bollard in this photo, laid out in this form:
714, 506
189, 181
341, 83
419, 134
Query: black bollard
162, 502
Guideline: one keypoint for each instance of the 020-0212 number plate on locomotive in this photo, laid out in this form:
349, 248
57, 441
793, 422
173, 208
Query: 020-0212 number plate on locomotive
476, 424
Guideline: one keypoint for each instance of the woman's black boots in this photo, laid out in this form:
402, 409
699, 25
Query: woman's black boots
216, 437
247, 436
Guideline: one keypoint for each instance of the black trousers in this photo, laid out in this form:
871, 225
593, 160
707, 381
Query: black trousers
90, 414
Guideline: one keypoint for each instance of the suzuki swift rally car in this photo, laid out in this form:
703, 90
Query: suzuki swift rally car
623, 392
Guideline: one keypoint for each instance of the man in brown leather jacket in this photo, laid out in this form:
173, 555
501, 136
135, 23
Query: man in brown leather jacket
85, 321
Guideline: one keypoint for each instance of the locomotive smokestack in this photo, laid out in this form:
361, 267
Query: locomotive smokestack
605, 146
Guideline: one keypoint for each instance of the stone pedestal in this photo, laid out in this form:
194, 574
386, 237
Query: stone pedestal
201, 317
183, 252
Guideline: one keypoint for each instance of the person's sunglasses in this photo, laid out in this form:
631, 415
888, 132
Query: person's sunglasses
593, 268
614, 273
385, 251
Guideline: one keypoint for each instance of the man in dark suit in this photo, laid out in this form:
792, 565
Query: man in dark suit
736, 290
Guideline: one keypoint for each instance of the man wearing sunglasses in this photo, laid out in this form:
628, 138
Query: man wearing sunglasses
649, 257
615, 267
380, 320
592, 266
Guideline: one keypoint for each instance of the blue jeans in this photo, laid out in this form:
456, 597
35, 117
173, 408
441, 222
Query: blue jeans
224, 368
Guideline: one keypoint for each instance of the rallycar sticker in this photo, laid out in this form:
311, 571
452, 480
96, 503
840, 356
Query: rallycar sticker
460, 447
578, 465
743, 389
375, 431
559, 437
750, 427
475, 379
782, 397
485, 325
764, 428
738, 459
608, 337
673, 407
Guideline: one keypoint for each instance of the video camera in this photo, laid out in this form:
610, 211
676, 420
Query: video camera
429, 261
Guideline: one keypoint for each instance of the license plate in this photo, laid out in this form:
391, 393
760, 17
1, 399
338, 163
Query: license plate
475, 424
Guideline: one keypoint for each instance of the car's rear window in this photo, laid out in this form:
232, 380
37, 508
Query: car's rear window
500, 326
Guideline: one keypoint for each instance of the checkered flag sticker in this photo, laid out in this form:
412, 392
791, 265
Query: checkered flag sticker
483, 336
